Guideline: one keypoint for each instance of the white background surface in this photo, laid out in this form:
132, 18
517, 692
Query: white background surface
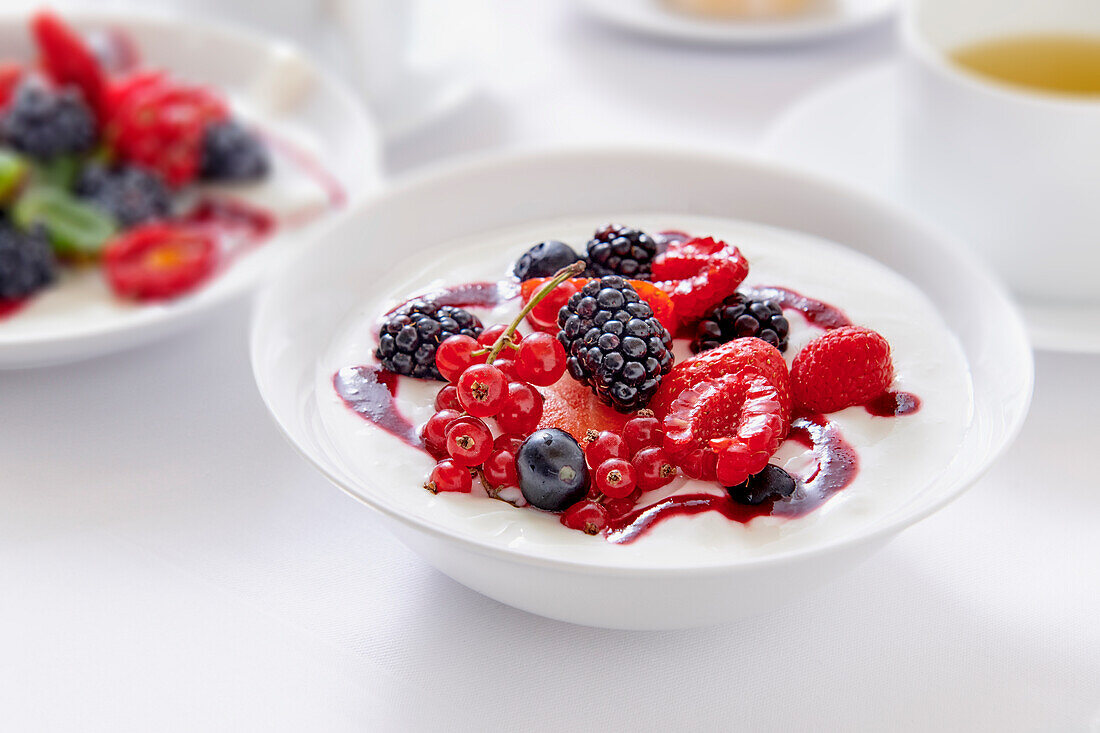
167, 562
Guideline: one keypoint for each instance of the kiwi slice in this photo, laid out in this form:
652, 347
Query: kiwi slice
76, 230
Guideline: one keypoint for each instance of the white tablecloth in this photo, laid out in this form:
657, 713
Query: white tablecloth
167, 562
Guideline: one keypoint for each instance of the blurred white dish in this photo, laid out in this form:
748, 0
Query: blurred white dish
276, 87
852, 130
293, 327
822, 19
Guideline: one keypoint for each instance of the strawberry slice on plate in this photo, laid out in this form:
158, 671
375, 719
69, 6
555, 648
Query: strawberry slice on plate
159, 261
68, 60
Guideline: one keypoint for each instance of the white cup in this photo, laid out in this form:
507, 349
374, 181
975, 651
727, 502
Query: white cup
1015, 172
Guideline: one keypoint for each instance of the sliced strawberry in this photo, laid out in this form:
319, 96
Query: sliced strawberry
752, 355
572, 407
160, 125
725, 428
543, 316
68, 60
159, 261
11, 73
699, 273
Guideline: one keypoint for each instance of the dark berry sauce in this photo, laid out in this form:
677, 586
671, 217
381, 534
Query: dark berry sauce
816, 312
836, 467
9, 308
893, 404
473, 295
369, 391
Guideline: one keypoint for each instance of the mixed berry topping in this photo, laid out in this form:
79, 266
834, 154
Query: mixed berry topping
93, 152
588, 416
615, 344
740, 316
622, 251
410, 335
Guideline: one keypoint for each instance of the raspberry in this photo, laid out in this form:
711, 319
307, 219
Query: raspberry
844, 367
726, 428
68, 60
161, 125
751, 355
699, 273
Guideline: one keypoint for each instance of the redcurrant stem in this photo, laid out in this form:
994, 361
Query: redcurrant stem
559, 277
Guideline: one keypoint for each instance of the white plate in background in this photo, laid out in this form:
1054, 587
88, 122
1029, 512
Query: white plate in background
275, 87
822, 19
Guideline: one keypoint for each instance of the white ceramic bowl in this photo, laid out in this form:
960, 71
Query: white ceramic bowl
301, 311
278, 88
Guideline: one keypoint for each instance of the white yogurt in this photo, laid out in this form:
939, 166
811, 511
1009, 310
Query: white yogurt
899, 457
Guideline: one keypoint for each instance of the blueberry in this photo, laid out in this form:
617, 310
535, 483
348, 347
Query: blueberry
544, 259
230, 152
552, 472
772, 483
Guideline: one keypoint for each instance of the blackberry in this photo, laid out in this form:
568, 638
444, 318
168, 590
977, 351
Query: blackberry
410, 335
772, 483
45, 123
130, 194
232, 153
618, 250
615, 344
740, 316
26, 262
544, 259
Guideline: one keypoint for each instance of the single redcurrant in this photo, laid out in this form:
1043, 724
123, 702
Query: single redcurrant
500, 469
455, 354
544, 315
588, 516
541, 359
447, 399
490, 335
509, 442
643, 431
653, 468
469, 441
482, 390
599, 447
615, 478
434, 432
507, 367
620, 507
522, 409
448, 476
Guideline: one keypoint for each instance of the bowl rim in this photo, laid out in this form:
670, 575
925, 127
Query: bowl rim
150, 319
472, 164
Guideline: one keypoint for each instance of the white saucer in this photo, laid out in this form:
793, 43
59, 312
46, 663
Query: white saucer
274, 85
826, 18
849, 130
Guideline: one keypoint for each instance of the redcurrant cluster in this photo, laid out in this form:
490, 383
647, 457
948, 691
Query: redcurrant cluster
493, 376
623, 467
